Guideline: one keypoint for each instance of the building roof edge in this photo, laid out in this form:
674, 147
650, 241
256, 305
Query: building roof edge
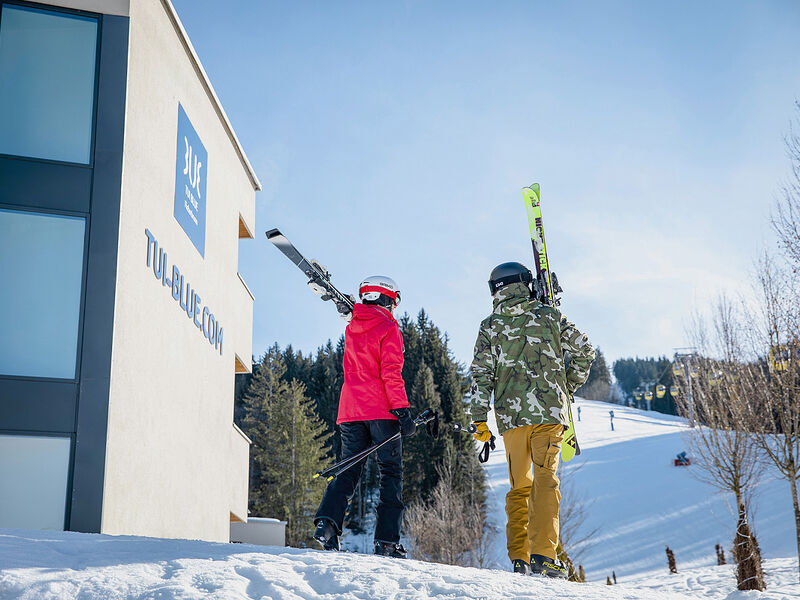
187, 44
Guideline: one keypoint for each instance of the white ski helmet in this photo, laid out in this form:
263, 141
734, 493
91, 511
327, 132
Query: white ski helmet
380, 290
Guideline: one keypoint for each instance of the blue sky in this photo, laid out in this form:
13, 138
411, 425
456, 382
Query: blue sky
394, 138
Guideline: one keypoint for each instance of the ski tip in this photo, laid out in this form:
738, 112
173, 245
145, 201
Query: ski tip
315, 476
534, 187
272, 233
330, 478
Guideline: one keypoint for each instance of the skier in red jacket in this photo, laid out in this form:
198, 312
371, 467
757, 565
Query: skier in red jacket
373, 406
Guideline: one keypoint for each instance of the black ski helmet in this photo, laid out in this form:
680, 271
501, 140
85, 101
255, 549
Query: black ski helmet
510, 272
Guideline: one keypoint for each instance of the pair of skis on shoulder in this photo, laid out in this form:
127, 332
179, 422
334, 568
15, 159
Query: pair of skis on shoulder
319, 280
546, 288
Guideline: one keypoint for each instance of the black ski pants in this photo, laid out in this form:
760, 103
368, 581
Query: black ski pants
357, 436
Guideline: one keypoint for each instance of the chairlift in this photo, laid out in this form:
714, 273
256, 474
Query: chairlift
694, 372
715, 377
648, 395
661, 391
677, 369
779, 357
637, 395
673, 390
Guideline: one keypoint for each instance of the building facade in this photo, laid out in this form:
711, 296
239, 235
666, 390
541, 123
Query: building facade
124, 194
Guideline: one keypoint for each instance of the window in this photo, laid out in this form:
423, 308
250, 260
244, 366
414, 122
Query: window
34, 471
41, 268
47, 70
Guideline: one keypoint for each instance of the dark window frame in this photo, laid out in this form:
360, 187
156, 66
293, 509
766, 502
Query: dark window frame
97, 18
81, 306
40, 406
70, 471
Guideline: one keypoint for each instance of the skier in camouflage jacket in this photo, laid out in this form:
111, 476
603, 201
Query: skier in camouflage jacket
520, 358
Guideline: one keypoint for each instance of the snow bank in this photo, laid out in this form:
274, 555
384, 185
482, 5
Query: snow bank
62, 565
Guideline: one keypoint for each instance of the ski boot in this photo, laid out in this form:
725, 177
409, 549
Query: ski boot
326, 534
389, 549
541, 565
521, 567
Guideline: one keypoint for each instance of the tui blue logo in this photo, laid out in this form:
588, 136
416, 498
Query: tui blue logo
191, 172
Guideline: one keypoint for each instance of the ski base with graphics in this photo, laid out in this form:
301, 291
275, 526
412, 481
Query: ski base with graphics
545, 287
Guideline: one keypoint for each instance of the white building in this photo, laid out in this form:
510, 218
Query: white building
124, 194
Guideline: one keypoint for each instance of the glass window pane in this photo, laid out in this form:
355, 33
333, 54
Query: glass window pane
34, 471
47, 66
41, 264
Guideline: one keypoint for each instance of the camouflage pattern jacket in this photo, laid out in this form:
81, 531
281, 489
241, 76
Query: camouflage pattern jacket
519, 355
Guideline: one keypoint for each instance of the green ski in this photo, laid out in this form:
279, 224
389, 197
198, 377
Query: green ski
546, 287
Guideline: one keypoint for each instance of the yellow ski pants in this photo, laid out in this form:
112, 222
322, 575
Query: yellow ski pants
532, 503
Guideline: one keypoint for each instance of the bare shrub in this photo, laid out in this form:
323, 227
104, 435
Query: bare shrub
781, 433
448, 528
720, 555
717, 397
574, 537
773, 381
673, 566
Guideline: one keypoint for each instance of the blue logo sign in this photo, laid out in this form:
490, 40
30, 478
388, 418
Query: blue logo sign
191, 172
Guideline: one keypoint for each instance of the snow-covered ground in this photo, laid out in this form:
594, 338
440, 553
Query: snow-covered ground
638, 501
60, 565
39, 565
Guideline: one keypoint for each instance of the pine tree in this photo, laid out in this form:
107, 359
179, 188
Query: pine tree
434, 379
297, 366
636, 373
420, 453
598, 385
289, 446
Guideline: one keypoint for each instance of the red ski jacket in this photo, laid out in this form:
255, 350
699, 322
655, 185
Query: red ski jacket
373, 366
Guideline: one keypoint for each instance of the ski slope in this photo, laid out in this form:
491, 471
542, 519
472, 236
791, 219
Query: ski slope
639, 502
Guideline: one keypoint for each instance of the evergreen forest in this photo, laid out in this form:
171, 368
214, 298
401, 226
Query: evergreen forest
288, 408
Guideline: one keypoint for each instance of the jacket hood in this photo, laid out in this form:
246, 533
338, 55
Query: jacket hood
509, 299
366, 317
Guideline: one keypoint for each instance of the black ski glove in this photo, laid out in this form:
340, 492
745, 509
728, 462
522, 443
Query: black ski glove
407, 425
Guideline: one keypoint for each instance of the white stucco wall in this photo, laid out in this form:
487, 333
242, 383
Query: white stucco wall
175, 465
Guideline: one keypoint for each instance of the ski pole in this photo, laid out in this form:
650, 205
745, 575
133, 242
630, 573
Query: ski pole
483, 455
423, 418
471, 428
